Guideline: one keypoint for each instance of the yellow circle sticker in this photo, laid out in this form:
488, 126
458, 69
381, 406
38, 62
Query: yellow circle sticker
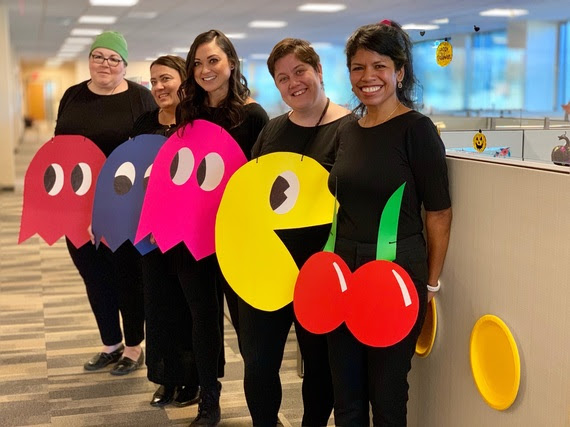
444, 54
479, 142
277, 191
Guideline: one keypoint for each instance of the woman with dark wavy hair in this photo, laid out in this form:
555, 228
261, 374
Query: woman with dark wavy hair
215, 91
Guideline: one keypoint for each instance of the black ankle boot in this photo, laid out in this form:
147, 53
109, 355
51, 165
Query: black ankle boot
208, 408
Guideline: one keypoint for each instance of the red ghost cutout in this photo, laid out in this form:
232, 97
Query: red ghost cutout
59, 188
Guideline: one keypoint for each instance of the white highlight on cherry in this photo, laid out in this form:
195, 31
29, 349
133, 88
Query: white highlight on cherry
403, 288
341, 277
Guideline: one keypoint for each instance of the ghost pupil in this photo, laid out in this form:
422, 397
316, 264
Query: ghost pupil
49, 178
277, 196
122, 184
201, 172
76, 178
174, 166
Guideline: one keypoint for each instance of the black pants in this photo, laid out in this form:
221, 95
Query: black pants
114, 285
364, 375
263, 338
198, 281
169, 354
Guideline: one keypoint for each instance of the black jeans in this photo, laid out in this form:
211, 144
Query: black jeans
114, 285
364, 375
198, 281
263, 338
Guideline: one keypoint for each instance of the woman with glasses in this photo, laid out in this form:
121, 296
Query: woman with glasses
104, 109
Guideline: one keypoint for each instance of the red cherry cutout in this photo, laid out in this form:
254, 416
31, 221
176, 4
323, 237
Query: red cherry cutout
319, 299
383, 304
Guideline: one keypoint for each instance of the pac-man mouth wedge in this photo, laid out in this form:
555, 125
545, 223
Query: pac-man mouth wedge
188, 177
120, 191
277, 191
59, 188
378, 302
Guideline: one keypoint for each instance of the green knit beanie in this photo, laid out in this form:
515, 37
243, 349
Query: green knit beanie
114, 41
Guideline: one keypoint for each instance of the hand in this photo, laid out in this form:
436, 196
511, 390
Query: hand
91, 235
430, 295
151, 238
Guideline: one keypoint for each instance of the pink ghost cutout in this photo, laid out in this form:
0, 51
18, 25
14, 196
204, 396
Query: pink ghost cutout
186, 184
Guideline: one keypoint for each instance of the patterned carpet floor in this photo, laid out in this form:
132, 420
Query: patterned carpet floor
47, 332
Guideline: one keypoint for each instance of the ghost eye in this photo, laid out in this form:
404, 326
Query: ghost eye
284, 192
182, 166
210, 172
53, 179
146, 177
81, 178
124, 178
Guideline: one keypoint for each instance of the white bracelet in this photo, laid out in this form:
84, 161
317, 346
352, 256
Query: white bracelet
434, 288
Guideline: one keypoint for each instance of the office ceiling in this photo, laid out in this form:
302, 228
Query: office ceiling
38, 28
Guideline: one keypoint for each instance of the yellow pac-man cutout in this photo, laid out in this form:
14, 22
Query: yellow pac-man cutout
277, 191
444, 54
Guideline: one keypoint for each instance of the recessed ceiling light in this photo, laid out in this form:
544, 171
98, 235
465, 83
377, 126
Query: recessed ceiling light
504, 13
142, 15
259, 56
78, 40
66, 54
321, 7
236, 36
123, 3
86, 32
53, 62
267, 24
149, 58
94, 19
180, 49
440, 21
72, 48
424, 27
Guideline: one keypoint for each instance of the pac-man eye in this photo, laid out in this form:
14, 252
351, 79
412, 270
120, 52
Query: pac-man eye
182, 166
124, 178
81, 178
210, 171
284, 192
53, 179
146, 177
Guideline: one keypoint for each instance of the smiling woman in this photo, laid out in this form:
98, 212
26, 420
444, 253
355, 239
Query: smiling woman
104, 109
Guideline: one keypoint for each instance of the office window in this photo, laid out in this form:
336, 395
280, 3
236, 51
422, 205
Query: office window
564, 65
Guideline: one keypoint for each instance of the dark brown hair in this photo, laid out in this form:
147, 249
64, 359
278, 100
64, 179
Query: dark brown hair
302, 50
389, 39
171, 61
193, 97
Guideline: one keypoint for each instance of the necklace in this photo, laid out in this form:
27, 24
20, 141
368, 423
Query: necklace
383, 121
322, 114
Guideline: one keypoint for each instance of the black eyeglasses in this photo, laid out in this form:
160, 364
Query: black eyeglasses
112, 61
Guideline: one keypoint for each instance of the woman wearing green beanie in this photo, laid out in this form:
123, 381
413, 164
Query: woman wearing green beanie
104, 109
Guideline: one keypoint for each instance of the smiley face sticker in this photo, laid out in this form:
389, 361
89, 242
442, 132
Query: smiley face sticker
277, 191
444, 54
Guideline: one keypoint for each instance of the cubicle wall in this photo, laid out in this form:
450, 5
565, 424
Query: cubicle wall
508, 256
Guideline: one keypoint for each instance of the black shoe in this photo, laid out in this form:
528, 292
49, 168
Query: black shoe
100, 360
209, 412
127, 365
187, 395
164, 395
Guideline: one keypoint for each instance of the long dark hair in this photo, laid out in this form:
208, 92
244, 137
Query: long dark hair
193, 97
389, 39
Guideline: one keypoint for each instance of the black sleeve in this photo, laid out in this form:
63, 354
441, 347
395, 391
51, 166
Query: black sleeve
68, 95
256, 149
258, 118
426, 154
141, 124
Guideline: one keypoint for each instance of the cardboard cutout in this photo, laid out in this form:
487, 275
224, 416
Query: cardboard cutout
59, 187
276, 191
120, 192
378, 302
186, 184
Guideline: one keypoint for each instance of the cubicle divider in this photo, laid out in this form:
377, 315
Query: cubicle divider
508, 257
496, 139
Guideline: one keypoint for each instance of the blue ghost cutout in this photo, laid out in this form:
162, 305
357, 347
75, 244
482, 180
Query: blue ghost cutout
120, 192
